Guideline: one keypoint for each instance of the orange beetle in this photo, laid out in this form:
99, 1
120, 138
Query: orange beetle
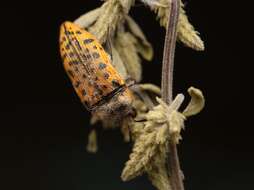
97, 83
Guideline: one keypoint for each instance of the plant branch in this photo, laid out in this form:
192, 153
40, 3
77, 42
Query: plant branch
167, 88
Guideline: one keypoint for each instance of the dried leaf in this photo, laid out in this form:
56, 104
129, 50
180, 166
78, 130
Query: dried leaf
187, 34
152, 3
156, 116
88, 19
151, 88
185, 31
162, 135
175, 105
111, 15
125, 45
140, 106
137, 129
161, 124
143, 151
157, 172
142, 45
125, 130
94, 119
118, 63
162, 12
196, 104
176, 124
126, 5
92, 142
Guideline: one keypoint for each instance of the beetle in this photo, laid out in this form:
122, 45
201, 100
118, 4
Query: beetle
99, 86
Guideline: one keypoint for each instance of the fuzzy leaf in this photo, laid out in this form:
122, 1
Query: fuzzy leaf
143, 46
185, 31
126, 5
111, 14
196, 104
125, 45
118, 63
88, 19
92, 142
143, 151
187, 34
150, 88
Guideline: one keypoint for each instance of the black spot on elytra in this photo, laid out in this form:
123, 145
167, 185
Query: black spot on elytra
96, 78
88, 41
78, 32
75, 62
67, 46
78, 45
94, 47
84, 76
71, 54
102, 66
106, 75
83, 92
85, 103
69, 32
84, 66
88, 56
98, 92
71, 74
115, 83
77, 84
96, 55
84, 58
104, 86
96, 86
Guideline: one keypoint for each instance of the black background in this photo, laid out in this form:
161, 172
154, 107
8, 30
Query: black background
44, 126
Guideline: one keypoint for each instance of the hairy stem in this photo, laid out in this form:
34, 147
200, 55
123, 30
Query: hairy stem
167, 88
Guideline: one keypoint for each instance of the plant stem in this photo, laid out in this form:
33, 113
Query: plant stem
167, 89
